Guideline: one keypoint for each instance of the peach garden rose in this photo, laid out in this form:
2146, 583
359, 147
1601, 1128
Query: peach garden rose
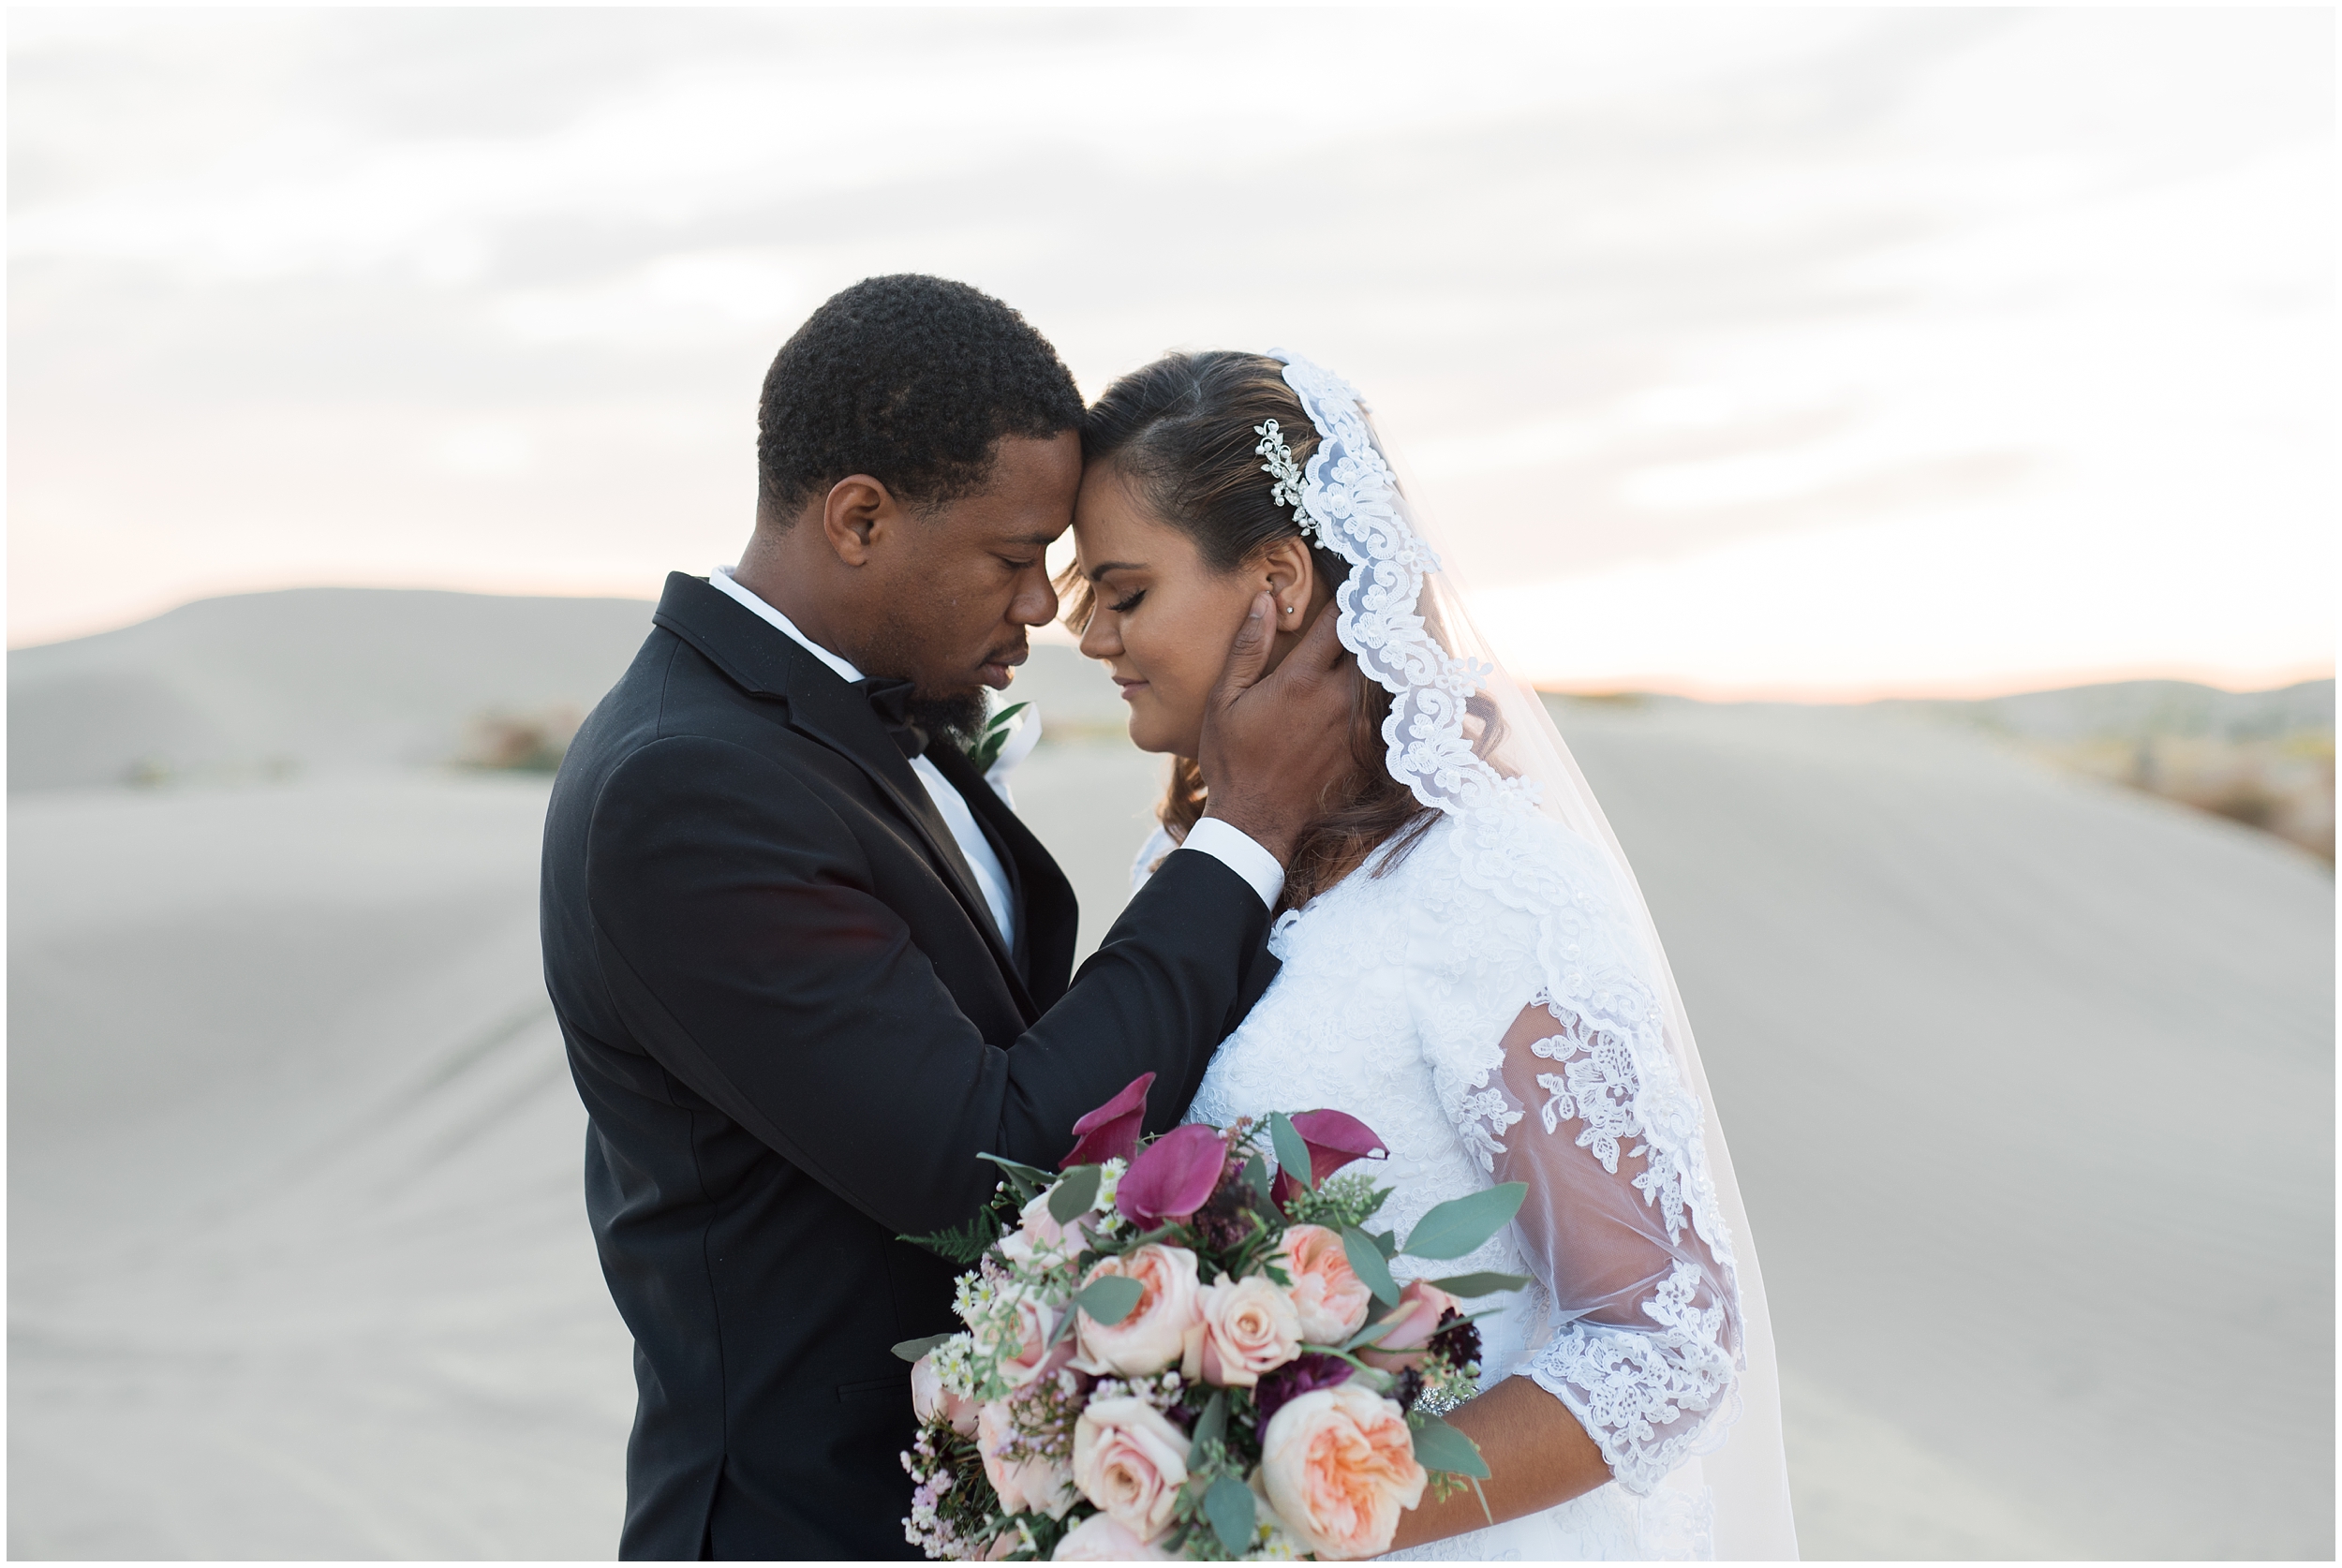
1249, 1327
1028, 1354
1155, 1333
1329, 1297
1339, 1468
1100, 1539
1130, 1461
1027, 1482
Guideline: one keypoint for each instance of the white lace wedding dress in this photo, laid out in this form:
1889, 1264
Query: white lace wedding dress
1395, 997
1496, 1004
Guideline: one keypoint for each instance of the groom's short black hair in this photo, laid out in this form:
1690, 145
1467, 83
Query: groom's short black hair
911, 381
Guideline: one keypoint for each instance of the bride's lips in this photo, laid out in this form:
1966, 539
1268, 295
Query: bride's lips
1129, 688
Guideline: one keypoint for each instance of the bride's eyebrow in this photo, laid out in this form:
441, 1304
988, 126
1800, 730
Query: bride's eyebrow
1104, 567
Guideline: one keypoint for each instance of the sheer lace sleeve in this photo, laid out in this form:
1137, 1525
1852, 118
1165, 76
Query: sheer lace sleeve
1646, 1322
1550, 1051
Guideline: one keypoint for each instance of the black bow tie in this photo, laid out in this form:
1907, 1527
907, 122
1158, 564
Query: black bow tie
890, 698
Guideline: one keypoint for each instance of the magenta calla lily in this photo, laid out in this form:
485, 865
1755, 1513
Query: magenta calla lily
1335, 1138
1174, 1177
1111, 1131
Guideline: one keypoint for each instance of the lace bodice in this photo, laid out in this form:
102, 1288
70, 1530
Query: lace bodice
1486, 1043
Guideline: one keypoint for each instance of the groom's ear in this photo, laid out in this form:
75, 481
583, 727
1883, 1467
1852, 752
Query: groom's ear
855, 510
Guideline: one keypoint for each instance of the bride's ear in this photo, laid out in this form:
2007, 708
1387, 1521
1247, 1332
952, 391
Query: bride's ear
1290, 575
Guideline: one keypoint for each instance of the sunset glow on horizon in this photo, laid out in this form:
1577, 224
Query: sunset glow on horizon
1829, 355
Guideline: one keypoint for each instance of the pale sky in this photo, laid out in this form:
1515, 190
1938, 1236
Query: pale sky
1823, 353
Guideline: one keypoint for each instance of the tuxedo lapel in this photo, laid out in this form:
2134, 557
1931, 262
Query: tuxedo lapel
1047, 915
824, 708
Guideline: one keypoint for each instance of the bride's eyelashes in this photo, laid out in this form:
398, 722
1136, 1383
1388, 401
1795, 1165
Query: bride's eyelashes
1126, 606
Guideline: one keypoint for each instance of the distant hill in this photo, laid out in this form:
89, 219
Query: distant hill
333, 679
2143, 710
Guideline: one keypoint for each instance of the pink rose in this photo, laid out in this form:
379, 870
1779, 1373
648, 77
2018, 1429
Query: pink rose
1029, 1482
1100, 1539
1413, 1322
1154, 1334
1026, 1353
1331, 1297
1131, 1462
931, 1401
1338, 1468
1249, 1327
1038, 1232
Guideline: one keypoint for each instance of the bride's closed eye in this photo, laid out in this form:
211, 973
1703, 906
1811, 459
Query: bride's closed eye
1126, 606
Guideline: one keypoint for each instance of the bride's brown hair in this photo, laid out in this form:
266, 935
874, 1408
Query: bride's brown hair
1180, 433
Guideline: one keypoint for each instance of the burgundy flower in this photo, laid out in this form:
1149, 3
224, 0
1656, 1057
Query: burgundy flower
1458, 1340
1172, 1177
1335, 1138
1301, 1375
1111, 1131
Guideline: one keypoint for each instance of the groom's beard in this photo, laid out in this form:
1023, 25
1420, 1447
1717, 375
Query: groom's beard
956, 719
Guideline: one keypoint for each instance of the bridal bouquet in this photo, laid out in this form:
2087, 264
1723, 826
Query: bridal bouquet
1169, 1353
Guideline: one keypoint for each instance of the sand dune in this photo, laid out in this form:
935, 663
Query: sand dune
2029, 1080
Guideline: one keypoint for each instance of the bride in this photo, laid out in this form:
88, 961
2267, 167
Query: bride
1468, 967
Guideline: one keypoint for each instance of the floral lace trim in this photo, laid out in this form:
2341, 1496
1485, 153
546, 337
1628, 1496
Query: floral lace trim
1646, 1399
1601, 1084
1618, 1074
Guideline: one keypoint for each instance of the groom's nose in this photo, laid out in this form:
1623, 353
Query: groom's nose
1035, 603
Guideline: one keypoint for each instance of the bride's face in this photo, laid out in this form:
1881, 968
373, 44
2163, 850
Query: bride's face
1164, 617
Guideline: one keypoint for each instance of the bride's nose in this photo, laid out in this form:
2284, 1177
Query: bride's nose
1101, 638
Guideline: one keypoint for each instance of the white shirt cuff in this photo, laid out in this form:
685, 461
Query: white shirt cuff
1233, 849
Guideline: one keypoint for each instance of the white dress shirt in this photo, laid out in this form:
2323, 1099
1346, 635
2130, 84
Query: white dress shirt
1231, 847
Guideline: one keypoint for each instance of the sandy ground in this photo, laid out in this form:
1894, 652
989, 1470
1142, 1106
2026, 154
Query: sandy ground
2029, 1081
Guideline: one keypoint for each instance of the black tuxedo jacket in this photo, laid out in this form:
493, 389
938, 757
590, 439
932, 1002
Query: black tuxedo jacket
794, 1027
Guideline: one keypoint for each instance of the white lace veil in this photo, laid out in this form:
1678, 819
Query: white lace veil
1407, 618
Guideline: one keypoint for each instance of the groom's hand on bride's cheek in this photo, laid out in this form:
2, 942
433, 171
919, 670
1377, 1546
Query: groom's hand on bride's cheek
1276, 743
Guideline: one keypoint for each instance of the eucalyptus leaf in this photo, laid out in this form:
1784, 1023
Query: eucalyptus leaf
1367, 1263
1292, 1151
1461, 1225
1023, 1177
1440, 1446
1210, 1426
1481, 1284
1256, 1178
911, 1350
1229, 1507
1076, 1193
1108, 1299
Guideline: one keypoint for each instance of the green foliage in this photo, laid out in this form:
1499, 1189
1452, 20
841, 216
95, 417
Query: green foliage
1293, 1151
1461, 1225
1228, 1505
1440, 1446
1481, 1284
997, 729
1108, 1299
964, 1244
1345, 1200
1076, 1193
1367, 1263
911, 1350
1028, 1181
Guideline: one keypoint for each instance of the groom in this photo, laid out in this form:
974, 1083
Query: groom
808, 965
